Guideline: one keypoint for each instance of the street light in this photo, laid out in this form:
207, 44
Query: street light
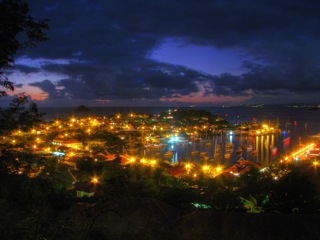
205, 168
94, 180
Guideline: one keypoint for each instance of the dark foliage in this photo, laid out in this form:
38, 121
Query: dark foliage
293, 193
21, 114
18, 30
227, 201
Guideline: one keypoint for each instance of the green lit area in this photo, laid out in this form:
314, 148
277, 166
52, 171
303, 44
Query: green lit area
201, 205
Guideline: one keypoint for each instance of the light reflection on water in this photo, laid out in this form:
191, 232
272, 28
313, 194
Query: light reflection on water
214, 151
264, 149
295, 127
302, 122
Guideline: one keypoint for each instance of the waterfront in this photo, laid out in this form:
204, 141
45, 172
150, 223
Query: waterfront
90, 153
295, 124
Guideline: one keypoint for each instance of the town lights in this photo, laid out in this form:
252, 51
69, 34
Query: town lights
205, 168
152, 162
94, 180
219, 169
173, 139
188, 166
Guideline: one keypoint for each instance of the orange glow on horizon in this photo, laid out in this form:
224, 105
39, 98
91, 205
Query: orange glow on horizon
34, 92
199, 97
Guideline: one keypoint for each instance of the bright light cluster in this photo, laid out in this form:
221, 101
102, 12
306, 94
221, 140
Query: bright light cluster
149, 162
298, 154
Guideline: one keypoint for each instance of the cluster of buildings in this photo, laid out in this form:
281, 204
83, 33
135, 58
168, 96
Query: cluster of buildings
119, 138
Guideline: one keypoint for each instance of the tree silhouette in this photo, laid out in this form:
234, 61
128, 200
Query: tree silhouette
21, 114
293, 193
18, 30
227, 201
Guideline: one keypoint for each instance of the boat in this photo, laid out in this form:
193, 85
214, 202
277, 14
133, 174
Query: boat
249, 148
239, 150
203, 153
168, 154
154, 146
194, 152
314, 136
286, 141
274, 151
132, 150
227, 155
229, 146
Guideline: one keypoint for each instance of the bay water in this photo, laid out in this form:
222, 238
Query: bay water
296, 125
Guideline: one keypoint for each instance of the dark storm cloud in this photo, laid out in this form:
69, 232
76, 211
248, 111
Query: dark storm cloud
113, 39
155, 81
48, 87
149, 81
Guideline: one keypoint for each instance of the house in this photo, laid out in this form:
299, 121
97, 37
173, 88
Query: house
34, 171
177, 171
96, 142
86, 189
104, 157
57, 141
242, 166
69, 143
72, 143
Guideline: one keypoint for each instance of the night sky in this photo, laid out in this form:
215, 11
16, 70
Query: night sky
172, 52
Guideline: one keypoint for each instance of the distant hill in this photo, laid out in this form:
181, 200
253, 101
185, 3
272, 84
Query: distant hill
82, 108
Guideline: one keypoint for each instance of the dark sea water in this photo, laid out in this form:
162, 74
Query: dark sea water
296, 125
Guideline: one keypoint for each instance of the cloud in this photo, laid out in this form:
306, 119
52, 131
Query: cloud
106, 48
48, 87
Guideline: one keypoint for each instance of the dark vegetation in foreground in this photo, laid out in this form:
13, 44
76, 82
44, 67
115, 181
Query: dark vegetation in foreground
135, 202
140, 202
